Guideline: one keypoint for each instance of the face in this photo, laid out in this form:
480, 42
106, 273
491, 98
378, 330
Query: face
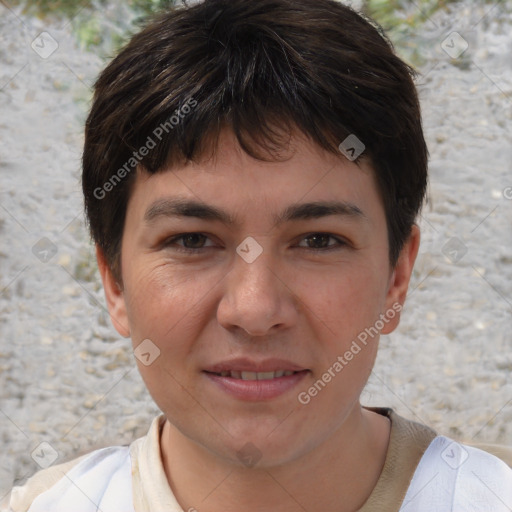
238, 270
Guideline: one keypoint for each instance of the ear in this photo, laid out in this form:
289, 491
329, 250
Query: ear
399, 280
114, 295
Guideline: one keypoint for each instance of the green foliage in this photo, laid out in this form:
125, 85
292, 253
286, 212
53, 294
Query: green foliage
54, 8
88, 32
148, 7
71, 8
404, 20
86, 268
101, 25
104, 25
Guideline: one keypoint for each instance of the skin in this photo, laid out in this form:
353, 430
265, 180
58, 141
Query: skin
296, 301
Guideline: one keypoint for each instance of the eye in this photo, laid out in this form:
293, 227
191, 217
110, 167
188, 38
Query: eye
191, 242
320, 242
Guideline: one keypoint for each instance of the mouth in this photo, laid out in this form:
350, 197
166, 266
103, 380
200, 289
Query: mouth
252, 381
244, 375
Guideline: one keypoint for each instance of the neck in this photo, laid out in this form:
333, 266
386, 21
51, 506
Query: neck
339, 474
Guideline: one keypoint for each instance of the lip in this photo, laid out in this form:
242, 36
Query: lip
255, 390
249, 365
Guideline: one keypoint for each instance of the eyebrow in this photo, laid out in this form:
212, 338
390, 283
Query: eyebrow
181, 207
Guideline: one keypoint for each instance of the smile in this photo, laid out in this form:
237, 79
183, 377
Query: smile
256, 386
256, 375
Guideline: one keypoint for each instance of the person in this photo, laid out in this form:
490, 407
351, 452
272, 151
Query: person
252, 173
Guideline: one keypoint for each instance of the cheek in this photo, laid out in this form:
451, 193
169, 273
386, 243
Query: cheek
161, 302
345, 301
163, 307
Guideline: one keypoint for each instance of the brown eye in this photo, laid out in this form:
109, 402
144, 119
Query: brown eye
193, 240
187, 242
320, 241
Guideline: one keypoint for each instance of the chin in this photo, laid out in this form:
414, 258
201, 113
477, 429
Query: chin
266, 449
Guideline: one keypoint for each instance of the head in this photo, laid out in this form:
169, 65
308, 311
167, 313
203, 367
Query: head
242, 105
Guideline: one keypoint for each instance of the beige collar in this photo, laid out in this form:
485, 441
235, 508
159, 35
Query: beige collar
408, 441
407, 444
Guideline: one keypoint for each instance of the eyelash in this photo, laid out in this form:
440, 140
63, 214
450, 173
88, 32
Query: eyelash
340, 243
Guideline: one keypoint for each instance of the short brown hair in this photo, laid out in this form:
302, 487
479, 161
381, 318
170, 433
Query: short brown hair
251, 66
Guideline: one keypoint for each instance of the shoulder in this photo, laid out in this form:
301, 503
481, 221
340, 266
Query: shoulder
453, 476
91, 482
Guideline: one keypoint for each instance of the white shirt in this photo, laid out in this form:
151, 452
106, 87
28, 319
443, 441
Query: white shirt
450, 477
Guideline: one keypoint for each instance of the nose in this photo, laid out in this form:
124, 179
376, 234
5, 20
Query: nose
258, 297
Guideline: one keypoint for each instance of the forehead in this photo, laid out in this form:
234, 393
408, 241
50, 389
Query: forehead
241, 185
